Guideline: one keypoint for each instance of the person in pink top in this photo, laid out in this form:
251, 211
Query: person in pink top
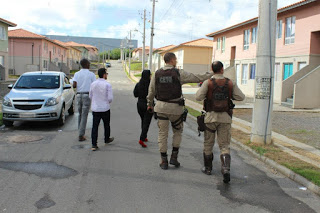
101, 97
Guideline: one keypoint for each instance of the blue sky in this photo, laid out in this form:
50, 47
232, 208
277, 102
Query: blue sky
176, 21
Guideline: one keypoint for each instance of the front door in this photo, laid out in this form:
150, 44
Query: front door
288, 71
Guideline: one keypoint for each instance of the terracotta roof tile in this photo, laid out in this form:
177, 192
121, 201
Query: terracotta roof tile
11, 24
21, 33
202, 42
166, 47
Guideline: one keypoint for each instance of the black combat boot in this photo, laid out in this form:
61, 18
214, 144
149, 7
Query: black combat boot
225, 167
207, 169
174, 157
164, 161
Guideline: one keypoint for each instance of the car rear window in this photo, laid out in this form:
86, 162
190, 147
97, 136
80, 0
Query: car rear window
38, 82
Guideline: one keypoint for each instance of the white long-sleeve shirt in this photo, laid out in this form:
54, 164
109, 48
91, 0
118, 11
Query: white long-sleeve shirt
101, 95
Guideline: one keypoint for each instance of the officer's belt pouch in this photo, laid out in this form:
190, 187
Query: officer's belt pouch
202, 126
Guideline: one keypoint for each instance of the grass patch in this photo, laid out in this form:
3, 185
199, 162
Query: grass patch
300, 131
138, 75
14, 76
1, 119
136, 66
193, 112
73, 71
193, 84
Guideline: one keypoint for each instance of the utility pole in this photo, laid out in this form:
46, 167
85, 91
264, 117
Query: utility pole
152, 34
144, 39
109, 55
130, 53
263, 105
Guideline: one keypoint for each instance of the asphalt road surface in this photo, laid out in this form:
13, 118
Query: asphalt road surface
54, 172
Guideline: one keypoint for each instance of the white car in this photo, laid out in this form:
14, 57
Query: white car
39, 96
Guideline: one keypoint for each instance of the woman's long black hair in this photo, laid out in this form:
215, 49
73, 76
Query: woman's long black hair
144, 83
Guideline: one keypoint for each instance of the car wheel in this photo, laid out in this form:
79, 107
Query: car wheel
71, 109
62, 118
8, 123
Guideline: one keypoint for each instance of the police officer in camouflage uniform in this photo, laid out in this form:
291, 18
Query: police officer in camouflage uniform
165, 86
217, 93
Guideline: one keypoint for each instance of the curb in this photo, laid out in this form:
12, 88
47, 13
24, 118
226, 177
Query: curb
285, 171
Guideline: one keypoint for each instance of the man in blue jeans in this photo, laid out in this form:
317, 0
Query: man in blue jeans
101, 97
82, 81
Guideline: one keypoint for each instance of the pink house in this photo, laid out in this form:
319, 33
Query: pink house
297, 54
31, 52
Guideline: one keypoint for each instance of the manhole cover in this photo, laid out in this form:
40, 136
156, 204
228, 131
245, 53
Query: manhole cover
24, 138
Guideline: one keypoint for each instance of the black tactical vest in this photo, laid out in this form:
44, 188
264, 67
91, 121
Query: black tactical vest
168, 85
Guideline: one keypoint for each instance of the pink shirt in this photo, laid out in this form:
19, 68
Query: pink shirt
101, 95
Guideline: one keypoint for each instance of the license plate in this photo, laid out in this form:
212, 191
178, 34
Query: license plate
27, 115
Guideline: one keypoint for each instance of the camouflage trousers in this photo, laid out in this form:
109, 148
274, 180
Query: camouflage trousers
223, 132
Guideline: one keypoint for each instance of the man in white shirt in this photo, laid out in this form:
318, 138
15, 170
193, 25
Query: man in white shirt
101, 97
82, 81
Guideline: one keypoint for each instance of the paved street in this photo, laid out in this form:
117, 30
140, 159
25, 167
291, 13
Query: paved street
57, 173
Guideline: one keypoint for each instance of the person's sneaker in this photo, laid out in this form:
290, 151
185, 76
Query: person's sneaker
146, 140
94, 148
142, 144
110, 140
82, 138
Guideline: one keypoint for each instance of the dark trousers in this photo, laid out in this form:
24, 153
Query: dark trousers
97, 116
145, 119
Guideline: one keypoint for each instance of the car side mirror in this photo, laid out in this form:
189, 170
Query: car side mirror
10, 86
67, 86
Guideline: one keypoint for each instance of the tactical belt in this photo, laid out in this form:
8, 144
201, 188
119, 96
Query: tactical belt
82, 92
174, 102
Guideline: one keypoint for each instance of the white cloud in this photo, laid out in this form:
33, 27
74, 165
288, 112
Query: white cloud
176, 21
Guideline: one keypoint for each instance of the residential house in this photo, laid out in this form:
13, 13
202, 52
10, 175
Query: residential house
137, 53
4, 25
93, 52
193, 56
73, 56
81, 47
156, 57
297, 63
31, 52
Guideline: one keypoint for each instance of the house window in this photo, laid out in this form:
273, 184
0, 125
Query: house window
59, 51
252, 71
244, 76
246, 39
290, 30
279, 29
254, 35
288, 70
277, 72
3, 33
45, 64
54, 50
301, 65
218, 43
2, 60
223, 44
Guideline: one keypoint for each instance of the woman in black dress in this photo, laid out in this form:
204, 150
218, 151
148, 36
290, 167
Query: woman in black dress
141, 92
